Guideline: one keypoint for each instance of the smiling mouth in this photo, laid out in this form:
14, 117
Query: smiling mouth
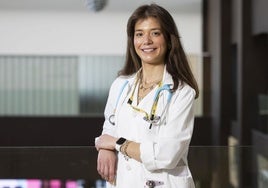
148, 50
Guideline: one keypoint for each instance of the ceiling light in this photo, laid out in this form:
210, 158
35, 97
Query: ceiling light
95, 5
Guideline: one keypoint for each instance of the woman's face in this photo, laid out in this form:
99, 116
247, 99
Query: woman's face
149, 41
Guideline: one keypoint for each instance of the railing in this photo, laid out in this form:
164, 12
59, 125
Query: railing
75, 167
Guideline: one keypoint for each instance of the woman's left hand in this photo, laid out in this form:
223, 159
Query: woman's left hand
105, 141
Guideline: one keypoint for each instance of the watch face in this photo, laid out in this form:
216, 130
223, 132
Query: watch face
120, 141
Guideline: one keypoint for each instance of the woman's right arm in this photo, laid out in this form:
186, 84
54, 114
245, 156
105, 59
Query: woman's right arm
107, 159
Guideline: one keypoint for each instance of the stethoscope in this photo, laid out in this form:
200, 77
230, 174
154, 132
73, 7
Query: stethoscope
150, 118
111, 117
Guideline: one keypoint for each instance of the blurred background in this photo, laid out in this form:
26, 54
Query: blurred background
58, 59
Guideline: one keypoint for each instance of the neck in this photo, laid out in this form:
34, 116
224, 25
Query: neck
152, 73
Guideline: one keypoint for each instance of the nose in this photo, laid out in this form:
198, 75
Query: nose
147, 39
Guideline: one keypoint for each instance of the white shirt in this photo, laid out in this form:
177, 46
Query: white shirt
164, 147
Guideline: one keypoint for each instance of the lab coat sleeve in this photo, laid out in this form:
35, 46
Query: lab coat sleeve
108, 128
172, 143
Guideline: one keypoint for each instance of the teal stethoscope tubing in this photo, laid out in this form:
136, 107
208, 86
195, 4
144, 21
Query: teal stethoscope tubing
153, 119
111, 117
162, 88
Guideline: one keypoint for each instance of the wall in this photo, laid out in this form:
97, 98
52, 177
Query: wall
259, 10
75, 32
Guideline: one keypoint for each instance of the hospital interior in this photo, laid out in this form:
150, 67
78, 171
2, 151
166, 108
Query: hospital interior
58, 59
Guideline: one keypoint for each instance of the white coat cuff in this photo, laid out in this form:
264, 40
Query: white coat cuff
110, 131
147, 155
96, 139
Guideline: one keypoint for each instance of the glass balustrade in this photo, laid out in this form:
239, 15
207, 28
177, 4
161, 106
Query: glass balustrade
75, 167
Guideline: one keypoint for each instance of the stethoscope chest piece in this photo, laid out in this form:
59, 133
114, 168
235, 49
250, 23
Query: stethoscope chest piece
153, 183
111, 119
154, 120
150, 184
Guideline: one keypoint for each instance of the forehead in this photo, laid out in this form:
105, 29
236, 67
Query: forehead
147, 23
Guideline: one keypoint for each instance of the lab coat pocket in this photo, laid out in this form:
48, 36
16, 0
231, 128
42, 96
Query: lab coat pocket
180, 177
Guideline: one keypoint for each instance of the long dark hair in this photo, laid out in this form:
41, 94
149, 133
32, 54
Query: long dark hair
176, 61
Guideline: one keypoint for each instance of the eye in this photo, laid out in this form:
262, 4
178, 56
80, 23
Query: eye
138, 34
156, 33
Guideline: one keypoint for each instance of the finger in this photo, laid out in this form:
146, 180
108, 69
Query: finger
106, 172
105, 178
109, 172
100, 168
112, 172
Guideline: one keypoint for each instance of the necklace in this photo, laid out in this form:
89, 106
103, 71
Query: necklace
144, 90
150, 86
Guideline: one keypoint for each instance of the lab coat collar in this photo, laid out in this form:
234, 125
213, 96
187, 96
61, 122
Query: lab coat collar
167, 78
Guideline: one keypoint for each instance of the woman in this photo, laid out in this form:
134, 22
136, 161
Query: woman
149, 113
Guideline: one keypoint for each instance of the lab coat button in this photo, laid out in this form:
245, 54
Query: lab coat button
128, 167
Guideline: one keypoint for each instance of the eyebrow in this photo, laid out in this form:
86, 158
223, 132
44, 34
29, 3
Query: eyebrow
150, 29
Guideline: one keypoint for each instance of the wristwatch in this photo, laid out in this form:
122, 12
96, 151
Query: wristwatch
119, 143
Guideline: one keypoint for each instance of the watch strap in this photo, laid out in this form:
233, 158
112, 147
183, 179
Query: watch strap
117, 147
119, 143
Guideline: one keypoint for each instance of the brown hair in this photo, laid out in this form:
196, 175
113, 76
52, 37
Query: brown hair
176, 62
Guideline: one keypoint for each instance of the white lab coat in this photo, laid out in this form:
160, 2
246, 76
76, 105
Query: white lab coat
164, 147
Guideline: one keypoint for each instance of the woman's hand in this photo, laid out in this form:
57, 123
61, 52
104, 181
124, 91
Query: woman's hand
106, 165
105, 141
